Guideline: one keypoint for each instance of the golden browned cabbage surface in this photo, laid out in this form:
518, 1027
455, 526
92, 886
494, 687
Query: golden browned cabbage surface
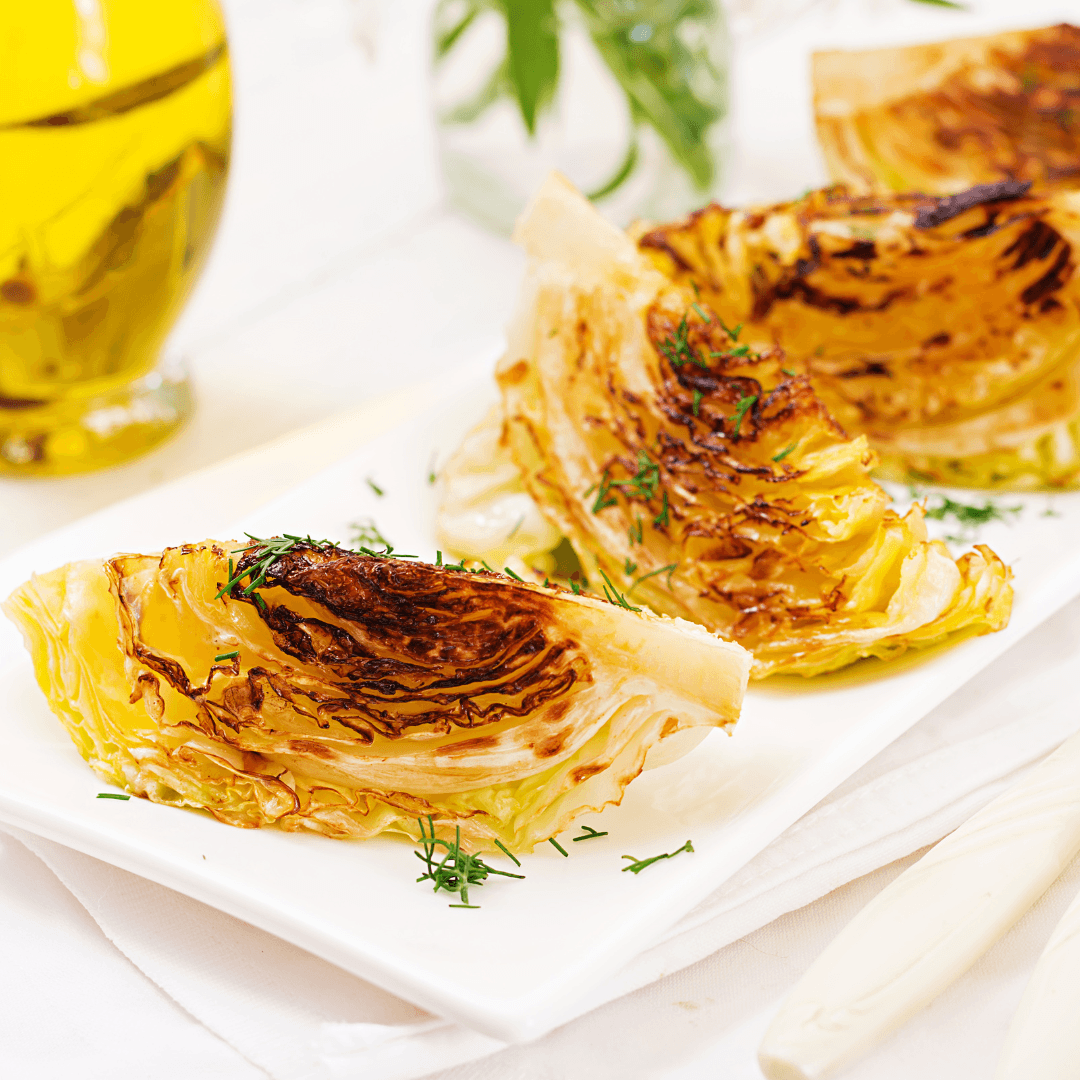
702, 478
365, 691
939, 118
945, 329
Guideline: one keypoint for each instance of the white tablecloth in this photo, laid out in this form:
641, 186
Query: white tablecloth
337, 260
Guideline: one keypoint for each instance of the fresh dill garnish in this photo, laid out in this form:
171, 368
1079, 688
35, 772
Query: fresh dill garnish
967, 515
1050, 512
513, 531
629, 567
637, 865
698, 395
614, 596
788, 372
604, 498
635, 532
553, 331
558, 847
489, 569
111, 795
784, 453
507, 852
510, 573
663, 517
733, 334
644, 482
366, 532
590, 834
653, 573
741, 409
697, 308
226, 656
457, 871
438, 558
575, 587
267, 553
921, 477
738, 351
375, 487
677, 347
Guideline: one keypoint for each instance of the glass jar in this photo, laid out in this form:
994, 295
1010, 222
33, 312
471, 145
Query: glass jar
115, 126
627, 98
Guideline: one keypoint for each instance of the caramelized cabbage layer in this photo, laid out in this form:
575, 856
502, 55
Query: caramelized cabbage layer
365, 692
704, 479
945, 329
941, 117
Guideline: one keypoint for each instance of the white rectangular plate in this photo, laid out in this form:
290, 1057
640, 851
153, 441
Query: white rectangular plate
515, 968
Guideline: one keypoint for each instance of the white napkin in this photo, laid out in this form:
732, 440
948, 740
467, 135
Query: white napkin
300, 1018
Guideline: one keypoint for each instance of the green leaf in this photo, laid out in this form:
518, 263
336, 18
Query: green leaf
944, 3
447, 33
532, 55
672, 87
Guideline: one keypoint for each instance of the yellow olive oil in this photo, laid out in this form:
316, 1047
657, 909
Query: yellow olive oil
115, 123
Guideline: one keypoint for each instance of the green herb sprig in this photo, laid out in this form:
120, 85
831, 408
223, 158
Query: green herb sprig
267, 553
742, 407
112, 795
226, 656
637, 865
614, 596
457, 871
588, 833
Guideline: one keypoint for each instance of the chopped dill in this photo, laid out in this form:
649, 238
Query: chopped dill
558, 847
510, 573
457, 871
698, 395
637, 865
635, 532
432, 475
520, 521
375, 487
697, 308
589, 834
111, 795
644, 482
614, 596
967, 515
738, 351
677, 347
653, 573
784, 453
226, 656
604, 498
733, 334
507, 852
575, 587
741, 409
629, 567
663, 517
365, 532
267, 553
438, 558
788, 372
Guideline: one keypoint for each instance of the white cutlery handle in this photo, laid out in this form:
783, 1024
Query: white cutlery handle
930, 925
1044, 1037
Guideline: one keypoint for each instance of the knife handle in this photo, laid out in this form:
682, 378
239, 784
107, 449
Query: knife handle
930, 925
1044, 1037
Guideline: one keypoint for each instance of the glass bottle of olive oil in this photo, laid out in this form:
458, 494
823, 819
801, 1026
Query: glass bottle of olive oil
115, 124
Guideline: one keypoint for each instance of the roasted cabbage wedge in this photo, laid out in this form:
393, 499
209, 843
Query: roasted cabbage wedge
697, 476
945, 329
349, 694
940, 118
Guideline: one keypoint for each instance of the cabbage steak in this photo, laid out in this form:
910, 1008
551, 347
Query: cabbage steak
702, 478
351, 694
945, 329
